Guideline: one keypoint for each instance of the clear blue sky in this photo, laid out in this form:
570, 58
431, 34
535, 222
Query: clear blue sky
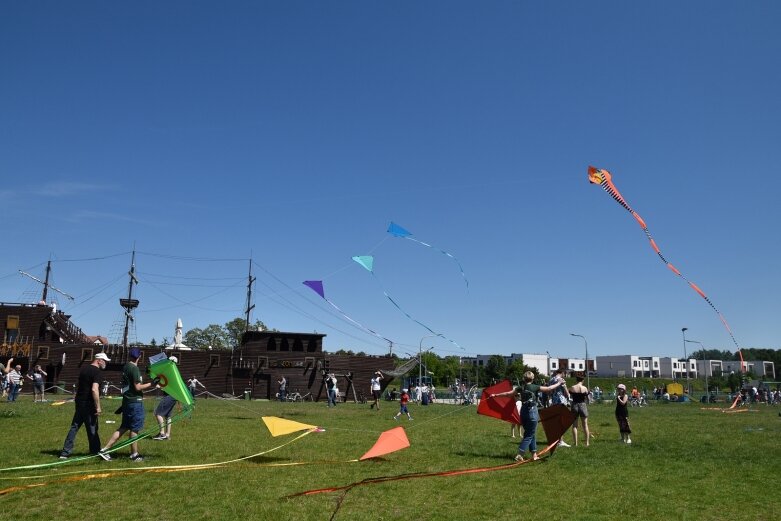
294, 132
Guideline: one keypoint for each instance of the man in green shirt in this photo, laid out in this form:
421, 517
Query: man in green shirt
133, 389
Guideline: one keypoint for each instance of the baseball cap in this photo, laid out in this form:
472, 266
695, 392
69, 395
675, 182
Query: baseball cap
173, 359
102, 356
135, 353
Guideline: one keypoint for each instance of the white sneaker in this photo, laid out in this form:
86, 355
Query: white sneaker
563, 443
628, 441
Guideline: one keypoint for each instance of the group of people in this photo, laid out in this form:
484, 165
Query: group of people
12, 379
576, 396
88, 407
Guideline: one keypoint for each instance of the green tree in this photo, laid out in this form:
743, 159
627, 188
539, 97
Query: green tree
495, 369
236, 328
515, 371
212, 336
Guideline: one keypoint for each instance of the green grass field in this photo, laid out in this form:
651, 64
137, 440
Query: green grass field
684, 464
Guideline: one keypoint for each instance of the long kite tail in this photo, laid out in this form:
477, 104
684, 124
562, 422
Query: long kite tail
367, 262
603, 178
317, 287
398, 231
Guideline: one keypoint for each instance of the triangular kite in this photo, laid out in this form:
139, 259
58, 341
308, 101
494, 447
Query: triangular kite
556, 420
502, 407
280, 426
316, 286
171, 381
389, 441
397, 231
367, 261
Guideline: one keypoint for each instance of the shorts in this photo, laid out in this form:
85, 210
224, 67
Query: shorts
165, 407
376, 394
133, 416
403, 409
580, 410
39, 388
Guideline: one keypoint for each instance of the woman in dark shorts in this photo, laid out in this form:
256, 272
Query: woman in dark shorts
579, 395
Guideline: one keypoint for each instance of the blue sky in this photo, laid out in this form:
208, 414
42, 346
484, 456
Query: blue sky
207, 133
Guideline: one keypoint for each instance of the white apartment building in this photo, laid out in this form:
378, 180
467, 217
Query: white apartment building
634, 366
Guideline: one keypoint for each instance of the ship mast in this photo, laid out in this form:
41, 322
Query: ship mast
129, 303
249, 306
45, 283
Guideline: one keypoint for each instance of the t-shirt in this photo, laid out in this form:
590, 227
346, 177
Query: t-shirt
330, 382
14, 377
528, 393
404, 399
376, 383
130, 376
557, 395
88, 375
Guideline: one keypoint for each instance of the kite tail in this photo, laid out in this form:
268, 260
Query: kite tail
603, 178
367, 329
447, 254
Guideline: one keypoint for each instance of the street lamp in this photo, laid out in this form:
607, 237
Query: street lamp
705, 369
685, 358
588, 380
420, 358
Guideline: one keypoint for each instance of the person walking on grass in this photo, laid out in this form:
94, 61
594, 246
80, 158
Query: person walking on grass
622, 414
87, 401
331, 389
579, 395
193, 384
376, 387
403, 401
38, 377
14, 382
133, 388
163, 413
527, 393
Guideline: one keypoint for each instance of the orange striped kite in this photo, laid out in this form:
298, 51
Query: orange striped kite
604, 179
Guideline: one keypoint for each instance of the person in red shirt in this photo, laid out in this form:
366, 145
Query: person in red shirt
403, 401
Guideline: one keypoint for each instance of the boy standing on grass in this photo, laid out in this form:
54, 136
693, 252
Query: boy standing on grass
132, 406
622, 414
403, 401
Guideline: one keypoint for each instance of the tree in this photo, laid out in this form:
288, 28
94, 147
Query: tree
515, 370
495, 369
212, 336
215, 336
236, 328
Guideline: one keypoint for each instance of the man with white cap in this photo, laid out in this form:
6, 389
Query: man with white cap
87, 400
163, 412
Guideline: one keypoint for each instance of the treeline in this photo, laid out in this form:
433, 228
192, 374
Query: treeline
215, 336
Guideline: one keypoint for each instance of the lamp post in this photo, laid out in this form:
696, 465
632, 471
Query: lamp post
588, 380
704, 369
685, 356
420, 358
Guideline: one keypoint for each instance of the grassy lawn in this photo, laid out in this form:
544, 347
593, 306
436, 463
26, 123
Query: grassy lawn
684, 463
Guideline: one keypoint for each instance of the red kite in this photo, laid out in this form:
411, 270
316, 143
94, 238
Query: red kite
499, 407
